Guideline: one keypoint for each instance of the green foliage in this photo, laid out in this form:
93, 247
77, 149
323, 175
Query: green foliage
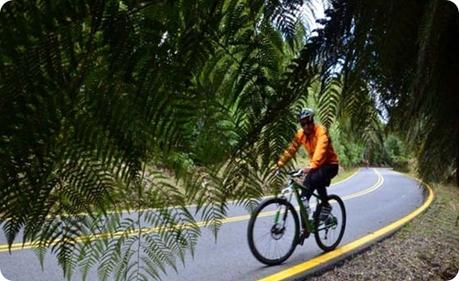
398, 154
350, 152
354, 124
405, 54
102, 101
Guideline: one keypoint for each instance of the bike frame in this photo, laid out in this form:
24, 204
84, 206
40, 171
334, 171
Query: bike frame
293, 189
277, 209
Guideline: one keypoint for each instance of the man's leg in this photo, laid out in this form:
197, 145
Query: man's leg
319, 179
328, 172
314, 181
322, 190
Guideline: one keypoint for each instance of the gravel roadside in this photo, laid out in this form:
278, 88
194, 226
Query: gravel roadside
425, 249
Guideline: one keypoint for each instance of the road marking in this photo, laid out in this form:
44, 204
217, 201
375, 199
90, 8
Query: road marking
322, 259
348, 178
29, 245
234, 201
194, 205
372, 188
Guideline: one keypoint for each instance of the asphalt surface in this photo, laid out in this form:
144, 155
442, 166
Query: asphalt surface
372, 201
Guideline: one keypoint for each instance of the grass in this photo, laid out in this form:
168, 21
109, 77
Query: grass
425, 249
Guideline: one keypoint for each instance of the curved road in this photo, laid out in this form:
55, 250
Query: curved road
374, 198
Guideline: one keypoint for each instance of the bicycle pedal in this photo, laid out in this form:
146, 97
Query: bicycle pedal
303, 236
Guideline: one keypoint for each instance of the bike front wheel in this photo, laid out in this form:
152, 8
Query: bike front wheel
273, 231
329, 231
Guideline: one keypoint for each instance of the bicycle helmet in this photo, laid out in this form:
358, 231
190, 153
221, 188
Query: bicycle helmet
306, 113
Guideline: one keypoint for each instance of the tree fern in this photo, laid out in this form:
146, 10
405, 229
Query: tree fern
101, 102
329, 101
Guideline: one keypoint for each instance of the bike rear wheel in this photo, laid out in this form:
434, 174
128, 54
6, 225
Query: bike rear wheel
273, 231
329, 232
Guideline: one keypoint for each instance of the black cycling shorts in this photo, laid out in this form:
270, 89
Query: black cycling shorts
319, 179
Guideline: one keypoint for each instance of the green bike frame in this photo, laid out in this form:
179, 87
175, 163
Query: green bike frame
293, 188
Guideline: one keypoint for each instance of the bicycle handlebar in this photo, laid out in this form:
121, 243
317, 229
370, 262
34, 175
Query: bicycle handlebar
296, 173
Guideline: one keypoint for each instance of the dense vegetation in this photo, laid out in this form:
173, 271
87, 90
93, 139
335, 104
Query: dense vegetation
102, 101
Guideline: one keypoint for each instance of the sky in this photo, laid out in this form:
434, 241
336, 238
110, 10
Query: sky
313, 10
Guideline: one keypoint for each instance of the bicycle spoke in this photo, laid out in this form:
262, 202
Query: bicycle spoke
272, 241
330, 231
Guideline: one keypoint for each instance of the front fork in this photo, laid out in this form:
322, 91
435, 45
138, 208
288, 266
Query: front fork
284, 213
307, 226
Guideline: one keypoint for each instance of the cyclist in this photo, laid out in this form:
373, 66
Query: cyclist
323, 159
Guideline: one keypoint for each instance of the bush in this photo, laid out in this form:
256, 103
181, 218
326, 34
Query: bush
401, 164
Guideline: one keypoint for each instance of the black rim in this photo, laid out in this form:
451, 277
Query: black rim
330, 231
269, 242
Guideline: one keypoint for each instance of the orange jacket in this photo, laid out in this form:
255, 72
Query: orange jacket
317, 145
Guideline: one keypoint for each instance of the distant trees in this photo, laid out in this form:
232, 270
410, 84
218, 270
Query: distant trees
404, 55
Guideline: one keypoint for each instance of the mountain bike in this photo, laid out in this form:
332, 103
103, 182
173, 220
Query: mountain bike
276, 228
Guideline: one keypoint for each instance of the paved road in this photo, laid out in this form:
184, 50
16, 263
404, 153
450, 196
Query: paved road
373, 198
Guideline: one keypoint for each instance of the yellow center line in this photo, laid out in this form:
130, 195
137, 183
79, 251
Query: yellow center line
29, 245
128, 211
326, 257
348, 178
233, 201
372, 188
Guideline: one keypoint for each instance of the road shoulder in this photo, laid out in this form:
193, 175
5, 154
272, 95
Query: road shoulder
330, 259
427, 248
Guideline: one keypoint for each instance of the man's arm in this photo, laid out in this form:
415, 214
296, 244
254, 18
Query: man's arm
290, 151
